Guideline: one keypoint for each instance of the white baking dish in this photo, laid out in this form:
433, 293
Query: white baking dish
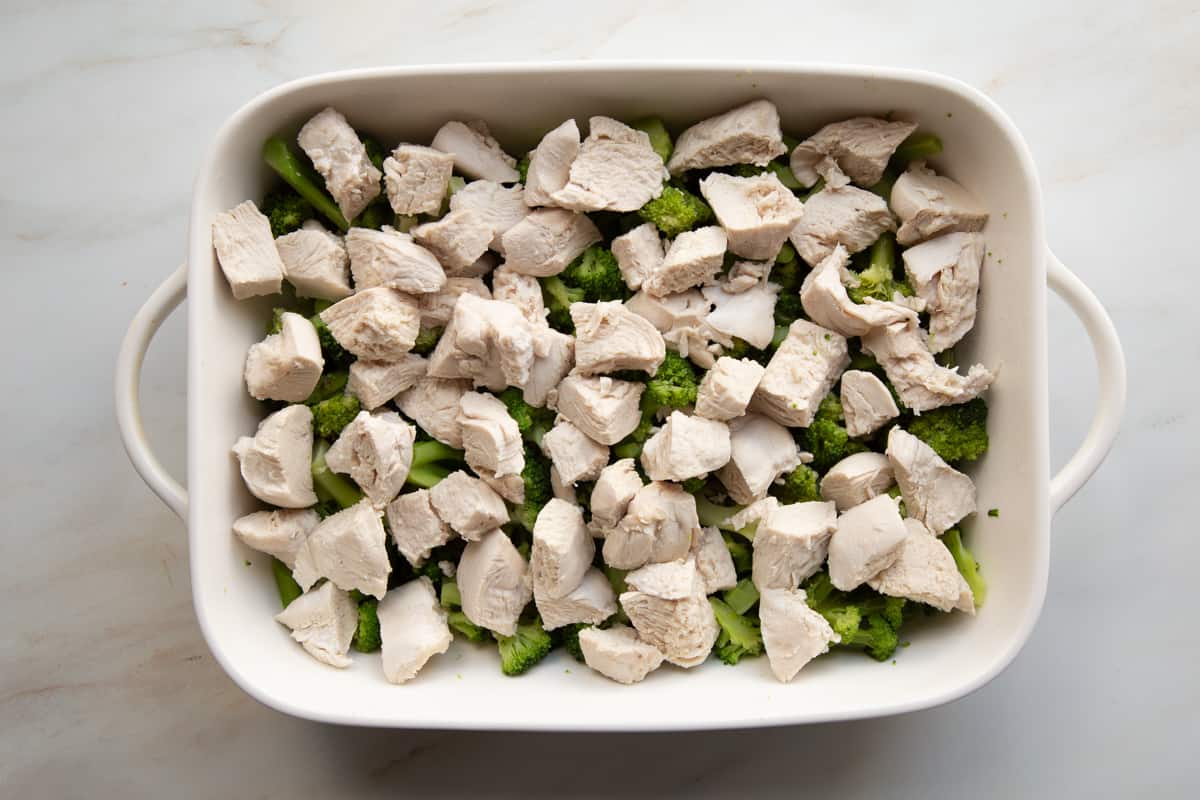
464, 688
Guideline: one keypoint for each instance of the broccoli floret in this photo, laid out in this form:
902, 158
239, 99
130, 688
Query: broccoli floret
286, 211
523, 169
967, 565
826, 436
538, 491
862, 618
660, 138
876, 637
328, 484
431, 462
330, 385
299, 174
596, 273
740, 551
956, 433
558, 298
740, 635
674, 385
427, 339
878, 280
332, 415
742, 597
529, 645
533, 422
788, 308
366, 636
675, 211
336, 356
458, 622
289, 590
570, 640
798, 486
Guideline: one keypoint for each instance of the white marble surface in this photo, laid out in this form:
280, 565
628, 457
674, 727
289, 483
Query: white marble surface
106, 688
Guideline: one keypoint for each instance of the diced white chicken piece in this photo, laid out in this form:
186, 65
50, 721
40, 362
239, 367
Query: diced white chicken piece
412, 629
315, 262
748, 519
458, 239
437, 308
590, 603
575, 456
481, 268
793, 634
468, 505
826, 301
499, 206
726, 389
433, 404
523, 291
341, 158
670, 611
282, 533
550, 163
286, 366
560, 488
416, 528
375, 324
760, 451
866, 542
757, 213
391, 259
924, 572
618, 654
553, 357
489, 341
713, 561
849, 216
416, 178
791, 543
246, 251
605, 409
562, 549
609, 337
349, 549
920, 381
546, 241
638, 254
617, 485
861, 147
491, 438
686, 447
929, 205
494, 583
944, 272
510, 487
800, 374
616, 170
748, 315
856, 479
745, 275
476, 153
693, 258
375, 449
376, 382
934, 492
276, 461
681, 319
748, 134
323, 621
866, 402
658, 526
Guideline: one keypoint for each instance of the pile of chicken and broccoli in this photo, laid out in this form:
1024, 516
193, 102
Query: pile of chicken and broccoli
642, 398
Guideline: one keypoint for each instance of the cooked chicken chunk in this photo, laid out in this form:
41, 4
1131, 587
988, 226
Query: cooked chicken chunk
924, 572
349, 549
375, 449
866, 402
618, 654
693, 258
489, 341
280, 533
494, 583
686, 447
391, 259
867, 540
286, 365
375, 324
934, 492
609, 337
546, 241
323, 621
574, 455
522, 291
929, 204
437, 308
476, 153
920, 381
553, 357
849, 216
416, 178
825, 300
341, 158
416, 528
315, 262
681, 319
458, 239
491, 438
605, 409
562, 549
726, 389
757, 213
510, 487
246, 251
275, 462
670, 611
748, 134
616, 170
748, 315
590, 603
745, 275
481, 268
618, 483
861, 147
658, 526
760, 451
468, 505
945, 274
499, 206
561, 489
793, 634
638, 254
412, 629
713, 561
800, 374
550, 163
790, 544
856, 479
433, 404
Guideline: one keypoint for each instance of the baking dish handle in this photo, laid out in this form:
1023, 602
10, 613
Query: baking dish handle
1110, 363
129, 371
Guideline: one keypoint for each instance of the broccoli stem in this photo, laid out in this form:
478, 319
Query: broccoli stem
427, 476
289, 590
302, 178
884, 187
967, 565
451, 597
917, 147
325, 480
742, 597
715, 516
660, 138
431, 451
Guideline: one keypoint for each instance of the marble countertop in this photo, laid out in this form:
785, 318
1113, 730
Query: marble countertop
106, 687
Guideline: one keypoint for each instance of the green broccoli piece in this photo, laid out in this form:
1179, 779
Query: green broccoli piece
521, 651
427, 339
878, 280
532, 422
328, 484
788, 274
289, 590
596, 274
956, 433
450, 596
919, 146
660, 138
968, 567
523, 169
326, 507
331, 384
674, 385
286, 211
366, 636
375, 216
863, 619
781, 170
876, 637
740, 635
826, 436
583, 495
570, 640
336, 356
742, 597
799, 486
788, 309
862, 360
883, 187
330, 416
558, 298
458, 622
693, 485
375, 151
740, 551
299, 174
895, 492
431, 462
994, 512
676, 210
538, 491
